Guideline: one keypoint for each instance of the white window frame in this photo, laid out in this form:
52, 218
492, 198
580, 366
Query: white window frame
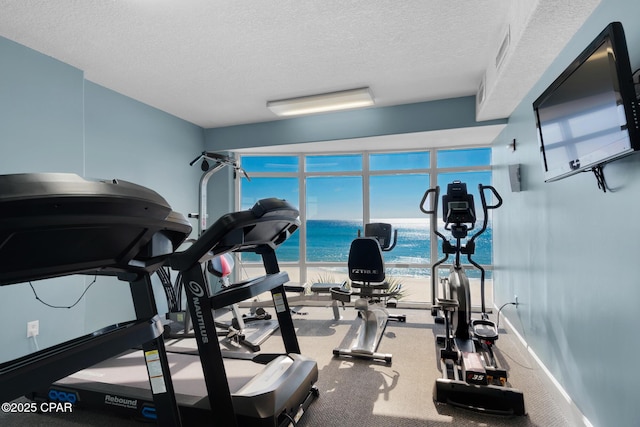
433, 171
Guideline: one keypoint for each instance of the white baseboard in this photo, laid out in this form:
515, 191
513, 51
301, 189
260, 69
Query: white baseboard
577, 413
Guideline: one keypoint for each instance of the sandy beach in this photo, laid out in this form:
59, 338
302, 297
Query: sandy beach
416, 291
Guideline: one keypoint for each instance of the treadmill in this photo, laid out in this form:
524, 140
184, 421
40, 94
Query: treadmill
105, 227
277, 394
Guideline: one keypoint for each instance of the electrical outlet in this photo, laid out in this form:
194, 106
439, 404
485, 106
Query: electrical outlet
33, 328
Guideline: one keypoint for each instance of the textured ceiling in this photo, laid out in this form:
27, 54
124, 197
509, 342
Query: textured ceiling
217, 62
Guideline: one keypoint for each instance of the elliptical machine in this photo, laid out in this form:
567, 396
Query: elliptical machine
471, 377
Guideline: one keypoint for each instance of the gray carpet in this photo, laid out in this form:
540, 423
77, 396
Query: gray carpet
355, 392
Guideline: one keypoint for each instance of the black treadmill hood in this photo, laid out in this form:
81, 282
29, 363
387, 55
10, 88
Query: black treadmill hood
261, 229
54, 224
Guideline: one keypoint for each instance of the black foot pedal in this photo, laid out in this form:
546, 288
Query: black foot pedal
398, 317
449, 355
485, 330
340, 294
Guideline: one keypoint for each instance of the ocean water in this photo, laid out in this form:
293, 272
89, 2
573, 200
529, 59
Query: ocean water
329, 241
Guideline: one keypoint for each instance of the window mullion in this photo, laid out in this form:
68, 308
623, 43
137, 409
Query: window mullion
433, 238
302, 202
366, 208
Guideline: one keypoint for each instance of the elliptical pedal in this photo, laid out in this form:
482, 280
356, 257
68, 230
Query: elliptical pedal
485, 330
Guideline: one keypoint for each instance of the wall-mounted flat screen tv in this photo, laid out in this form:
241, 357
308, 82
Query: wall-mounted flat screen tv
588, 115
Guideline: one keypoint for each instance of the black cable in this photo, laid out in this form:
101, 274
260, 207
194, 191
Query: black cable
598, 171
167, 285
177, 289
500, 309
504, 352
290, 418
57, 306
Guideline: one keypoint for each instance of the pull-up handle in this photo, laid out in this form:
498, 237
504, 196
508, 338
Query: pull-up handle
196, 159
213, 156
220, 160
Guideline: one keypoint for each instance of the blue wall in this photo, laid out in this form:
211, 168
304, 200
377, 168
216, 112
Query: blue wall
41, 112
565, 248
568, 251
52, 120
419, 117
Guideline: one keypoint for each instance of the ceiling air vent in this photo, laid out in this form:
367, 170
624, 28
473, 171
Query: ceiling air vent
504, 46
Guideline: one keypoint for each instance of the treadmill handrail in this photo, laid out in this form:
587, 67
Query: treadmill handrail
265, 226
25, 374
245, 290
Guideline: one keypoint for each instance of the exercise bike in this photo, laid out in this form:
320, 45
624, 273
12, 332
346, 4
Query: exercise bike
367, 275
471, 377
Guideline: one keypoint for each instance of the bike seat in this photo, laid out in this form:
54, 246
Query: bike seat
376, 286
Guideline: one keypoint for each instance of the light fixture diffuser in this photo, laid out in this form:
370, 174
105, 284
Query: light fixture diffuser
342, 100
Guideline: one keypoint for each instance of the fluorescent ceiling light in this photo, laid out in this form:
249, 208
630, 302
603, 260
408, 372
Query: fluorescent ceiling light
333, 101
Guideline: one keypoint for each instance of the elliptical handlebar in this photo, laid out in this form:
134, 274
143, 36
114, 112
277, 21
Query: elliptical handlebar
486, 207
436, 191
434, 210
481, 189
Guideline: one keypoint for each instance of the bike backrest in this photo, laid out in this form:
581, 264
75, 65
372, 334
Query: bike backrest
365, 261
